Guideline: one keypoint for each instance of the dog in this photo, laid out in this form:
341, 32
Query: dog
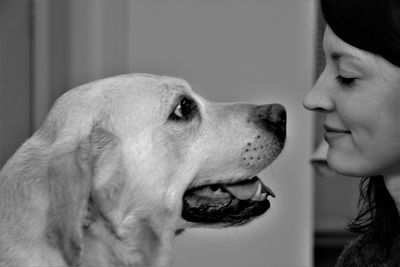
122, 165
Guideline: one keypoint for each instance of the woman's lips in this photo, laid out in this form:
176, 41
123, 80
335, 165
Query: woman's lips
332, 132
330, 129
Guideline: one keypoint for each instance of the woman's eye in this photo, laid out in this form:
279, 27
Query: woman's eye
345, 81
183, 110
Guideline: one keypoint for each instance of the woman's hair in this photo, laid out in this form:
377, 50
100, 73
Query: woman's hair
370, 25
377, 215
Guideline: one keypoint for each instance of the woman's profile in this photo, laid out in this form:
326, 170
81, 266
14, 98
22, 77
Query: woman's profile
359, 94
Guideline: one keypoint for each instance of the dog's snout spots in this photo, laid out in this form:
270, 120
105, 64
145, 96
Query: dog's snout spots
262, 151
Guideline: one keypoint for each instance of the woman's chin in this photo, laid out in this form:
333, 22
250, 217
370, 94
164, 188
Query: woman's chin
346, 165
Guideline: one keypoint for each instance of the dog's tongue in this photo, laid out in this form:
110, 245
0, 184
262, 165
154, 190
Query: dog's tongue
244, 191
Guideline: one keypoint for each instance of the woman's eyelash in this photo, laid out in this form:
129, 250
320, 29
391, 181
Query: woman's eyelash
348, 82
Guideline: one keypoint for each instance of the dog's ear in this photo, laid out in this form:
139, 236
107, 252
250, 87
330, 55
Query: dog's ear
69, 188
70, 184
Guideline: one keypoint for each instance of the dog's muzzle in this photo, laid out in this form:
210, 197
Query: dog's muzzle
238, 203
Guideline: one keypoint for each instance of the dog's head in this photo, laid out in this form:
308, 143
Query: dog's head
152, 151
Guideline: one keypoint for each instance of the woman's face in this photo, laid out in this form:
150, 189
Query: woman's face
359, 94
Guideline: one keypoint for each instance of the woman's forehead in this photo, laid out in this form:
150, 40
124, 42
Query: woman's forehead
337, 48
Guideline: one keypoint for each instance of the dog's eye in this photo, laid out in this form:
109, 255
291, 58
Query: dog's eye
183, 110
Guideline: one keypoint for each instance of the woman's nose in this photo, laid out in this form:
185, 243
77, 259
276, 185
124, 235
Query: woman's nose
319, 99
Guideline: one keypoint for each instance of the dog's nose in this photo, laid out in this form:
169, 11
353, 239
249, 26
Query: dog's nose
272, 118
277, 114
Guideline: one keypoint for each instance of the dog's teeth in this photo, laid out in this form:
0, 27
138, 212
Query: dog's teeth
256, 198
263, 196
257, 195
270, 192
259, 188
218, 191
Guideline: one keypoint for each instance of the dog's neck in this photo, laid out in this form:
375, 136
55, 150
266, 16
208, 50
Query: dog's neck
108, 243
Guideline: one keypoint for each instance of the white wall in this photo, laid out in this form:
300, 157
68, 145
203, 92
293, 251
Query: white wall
229, 50
241, 50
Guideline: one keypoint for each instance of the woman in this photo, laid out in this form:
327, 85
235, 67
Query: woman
359, 94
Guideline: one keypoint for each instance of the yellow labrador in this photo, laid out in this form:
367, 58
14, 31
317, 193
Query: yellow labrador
121, 165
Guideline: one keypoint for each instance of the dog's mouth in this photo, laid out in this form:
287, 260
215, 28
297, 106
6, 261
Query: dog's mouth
231, 204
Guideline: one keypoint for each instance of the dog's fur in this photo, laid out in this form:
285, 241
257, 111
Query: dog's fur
101, 182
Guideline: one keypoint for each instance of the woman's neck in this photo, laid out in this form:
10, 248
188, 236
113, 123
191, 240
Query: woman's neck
392, 182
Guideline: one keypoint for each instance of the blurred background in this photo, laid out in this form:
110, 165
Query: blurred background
260, 51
